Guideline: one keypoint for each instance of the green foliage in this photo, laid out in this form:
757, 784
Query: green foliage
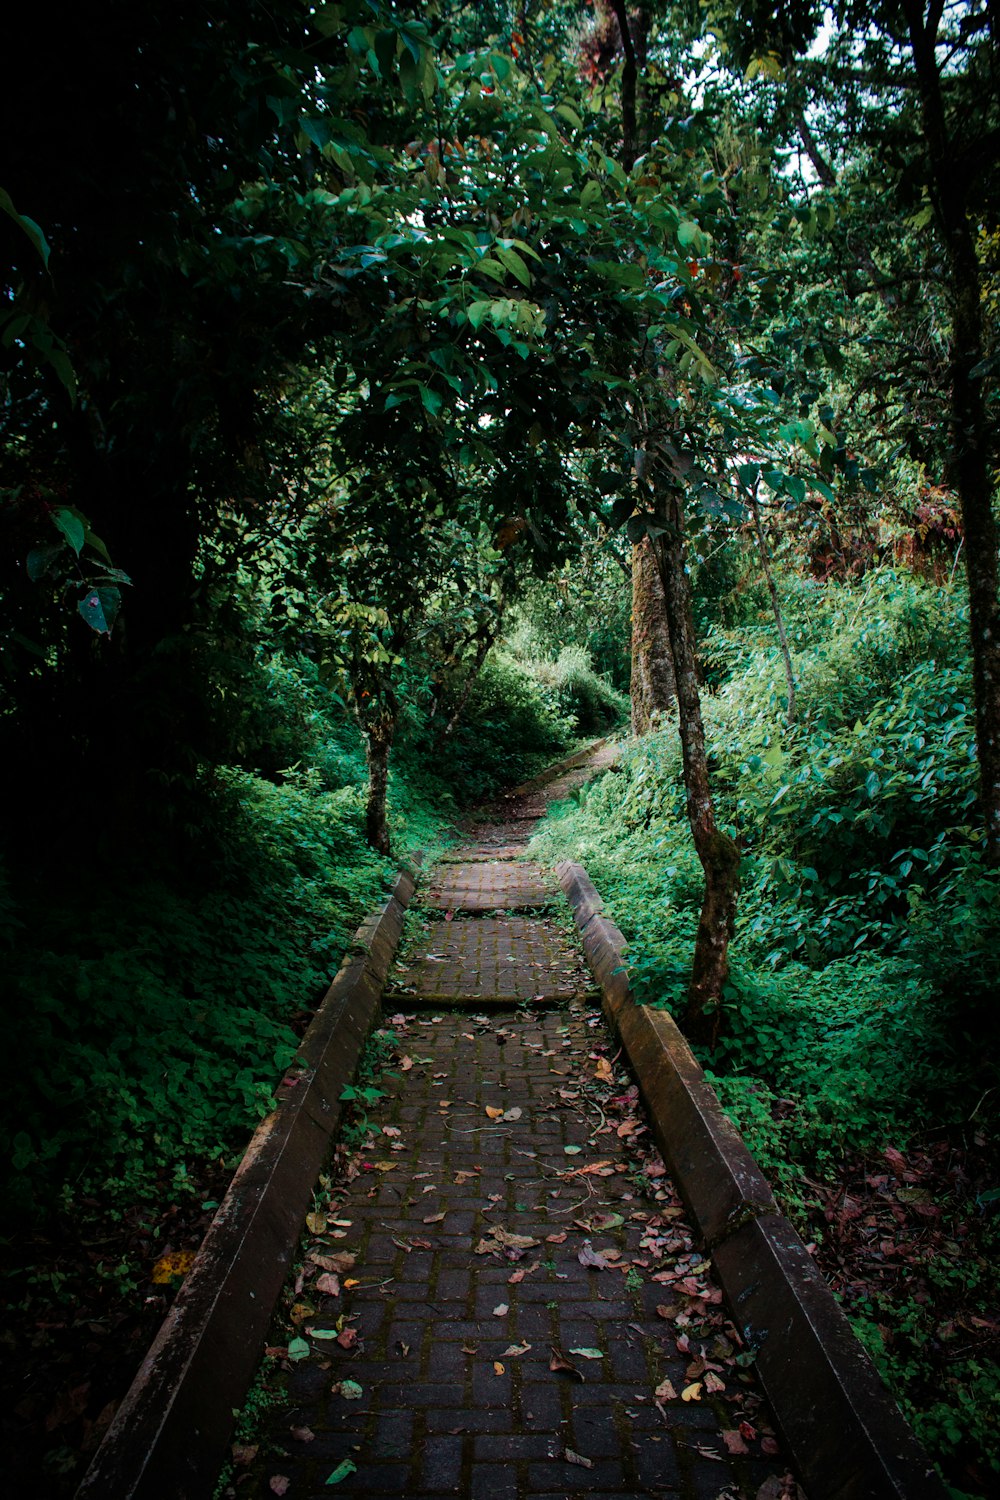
589, 702
509, 728
868, 940
156, 1034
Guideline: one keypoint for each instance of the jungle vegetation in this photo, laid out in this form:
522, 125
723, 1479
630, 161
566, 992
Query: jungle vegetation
394, 395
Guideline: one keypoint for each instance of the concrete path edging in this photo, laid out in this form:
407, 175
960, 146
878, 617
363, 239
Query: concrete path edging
170, 1435
845, 1433
568, 763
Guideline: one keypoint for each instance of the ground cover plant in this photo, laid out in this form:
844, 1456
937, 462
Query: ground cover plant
354, 366
857, 1045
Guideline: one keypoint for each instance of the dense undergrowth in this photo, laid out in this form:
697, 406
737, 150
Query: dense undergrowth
151, 1008
861, 1007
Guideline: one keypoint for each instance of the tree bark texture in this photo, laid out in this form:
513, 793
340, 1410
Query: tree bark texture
971, 437
653, 688
779, 619
379, 734
719, 856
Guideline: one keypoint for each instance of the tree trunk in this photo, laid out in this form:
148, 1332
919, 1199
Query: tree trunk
719, 856
379, 733
653, 688
971, 435
779, 619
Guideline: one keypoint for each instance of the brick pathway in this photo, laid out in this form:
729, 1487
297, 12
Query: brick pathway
500, 1298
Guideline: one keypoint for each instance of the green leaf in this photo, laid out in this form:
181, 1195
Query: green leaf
322, 1333
514, 264
72, 528
688, 234
492, 268
588, 1353
749, 474
622, 273
29, 227
100, 609
342, 1471
40, 559
298, 1349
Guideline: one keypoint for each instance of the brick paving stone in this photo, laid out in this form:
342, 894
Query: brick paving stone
452, 1402
490, 959
490, 886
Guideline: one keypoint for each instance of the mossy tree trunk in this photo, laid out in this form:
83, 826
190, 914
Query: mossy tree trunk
717, 852
973, 436
653, 688
380, 730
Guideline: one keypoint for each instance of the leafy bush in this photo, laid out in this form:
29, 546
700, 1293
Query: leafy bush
157, 1033
590, 703
868, 939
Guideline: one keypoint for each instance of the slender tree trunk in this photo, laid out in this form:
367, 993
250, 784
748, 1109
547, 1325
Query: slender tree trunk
779, 618
485, 646
379, 734
719, 856
653, 688
971, 435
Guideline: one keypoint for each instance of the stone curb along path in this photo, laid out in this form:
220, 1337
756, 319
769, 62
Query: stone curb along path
174, 1426
844, 1432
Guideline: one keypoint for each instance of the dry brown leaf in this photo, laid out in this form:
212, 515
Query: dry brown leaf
560, 1365
734, 1443
328, 1284
577, 1458
340, 1261
665, 1391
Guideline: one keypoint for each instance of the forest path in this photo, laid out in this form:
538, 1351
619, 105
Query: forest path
503, 1299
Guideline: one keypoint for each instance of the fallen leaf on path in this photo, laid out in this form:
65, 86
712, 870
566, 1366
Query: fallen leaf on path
316, 1223
348, 1338
498, 1368
405, 1064
244, 1453
665, 1391
692, 1392
577, 1458
176, 1263
588, 1257
602, 1072
470, 1348
344, 1468
493, 1112
588, 1353
434, 1219
556, 1239
278, 1483
349, 1389
560, 1365
734, 1443
298, 1349
512, 1351
501, 1310
328, 1284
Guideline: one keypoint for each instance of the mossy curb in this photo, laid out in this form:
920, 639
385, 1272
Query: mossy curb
842, 1428
170, 1435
